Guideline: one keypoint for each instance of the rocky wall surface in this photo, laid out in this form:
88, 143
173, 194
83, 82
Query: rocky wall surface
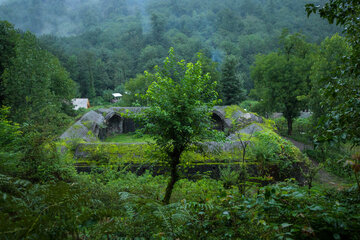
98, 124
101, 123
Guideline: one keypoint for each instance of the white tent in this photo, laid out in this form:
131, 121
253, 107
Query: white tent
80, 103
117, 95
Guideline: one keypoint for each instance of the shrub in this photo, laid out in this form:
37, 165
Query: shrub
303, 129
249, 105
275, 156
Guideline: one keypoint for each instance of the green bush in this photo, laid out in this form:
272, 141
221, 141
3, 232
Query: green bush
229, 177
271, 151
249, 105
303, 129
115, 205
10, 147
333, 157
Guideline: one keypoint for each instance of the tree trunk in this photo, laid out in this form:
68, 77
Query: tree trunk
290, 122
174, 176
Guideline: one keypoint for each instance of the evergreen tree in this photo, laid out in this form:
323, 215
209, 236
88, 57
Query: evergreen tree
8, 39
158, 29
86, 78
232, 90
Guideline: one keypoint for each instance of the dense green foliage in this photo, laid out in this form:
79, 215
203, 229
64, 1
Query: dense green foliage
7, 45
9, 142
281, 79
136, 87
232, 85
180, 104
103, 44
328, 59
341, 93
36, 86
116, 205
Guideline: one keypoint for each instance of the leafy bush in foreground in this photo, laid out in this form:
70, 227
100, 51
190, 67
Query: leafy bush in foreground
114, 205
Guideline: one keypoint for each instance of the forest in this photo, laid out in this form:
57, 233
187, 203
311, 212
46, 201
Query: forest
238, 119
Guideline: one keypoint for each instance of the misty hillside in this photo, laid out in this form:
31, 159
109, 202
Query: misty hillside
179, 119
122, 38
73, 17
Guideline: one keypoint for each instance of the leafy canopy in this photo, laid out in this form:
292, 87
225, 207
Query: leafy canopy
180, 102
281, 78
36, 86
327, 62
342, 93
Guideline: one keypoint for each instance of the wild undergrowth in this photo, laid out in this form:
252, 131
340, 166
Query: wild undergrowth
116, 205
43, 197
335, 157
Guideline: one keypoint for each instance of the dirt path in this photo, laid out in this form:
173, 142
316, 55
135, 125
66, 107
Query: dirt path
323, 177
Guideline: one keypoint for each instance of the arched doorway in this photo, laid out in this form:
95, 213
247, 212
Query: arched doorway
218, 123
114, 125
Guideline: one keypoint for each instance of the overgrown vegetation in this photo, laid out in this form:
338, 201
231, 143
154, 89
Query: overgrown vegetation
129, 138
115, 205
180, 103
189, 183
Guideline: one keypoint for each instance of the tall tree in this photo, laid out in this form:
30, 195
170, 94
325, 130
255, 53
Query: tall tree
282, 78
180, 103
36, 86
8, 39
342, 93
326, 63
232, 88
136, 87
86, 76
158, 29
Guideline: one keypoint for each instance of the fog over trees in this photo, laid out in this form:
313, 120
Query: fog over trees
121, 39
194, 146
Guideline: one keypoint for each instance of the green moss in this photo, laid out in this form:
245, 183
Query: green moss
129, 138
270, 150
76, 127
266, 151
270, 124
148, 153
69, 144
230, 113
230, 110
90, 134
115, 153
87, 124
